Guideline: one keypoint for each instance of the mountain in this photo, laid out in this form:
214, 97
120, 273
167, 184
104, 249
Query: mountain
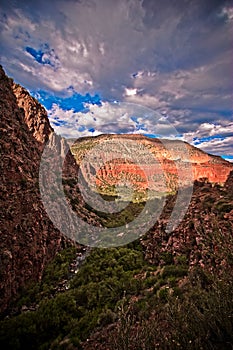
149, 164
29, 240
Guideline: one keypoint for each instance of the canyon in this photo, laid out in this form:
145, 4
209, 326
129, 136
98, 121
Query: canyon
29, 239
58, 294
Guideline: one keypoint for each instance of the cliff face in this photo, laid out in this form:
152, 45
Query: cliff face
28, 238
34, 115
158, 171
210, 212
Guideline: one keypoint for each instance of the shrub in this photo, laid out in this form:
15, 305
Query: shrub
175, 271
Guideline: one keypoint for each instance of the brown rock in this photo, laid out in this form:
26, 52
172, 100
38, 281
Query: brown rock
28, 239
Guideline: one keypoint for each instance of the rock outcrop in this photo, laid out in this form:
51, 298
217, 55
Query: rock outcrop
204, 233
161, 164
34, 115
28, 238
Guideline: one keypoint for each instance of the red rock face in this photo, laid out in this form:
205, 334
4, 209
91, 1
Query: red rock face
143, 176
162, 172
215, 173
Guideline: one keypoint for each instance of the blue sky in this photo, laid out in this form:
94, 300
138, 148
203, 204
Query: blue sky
78, 57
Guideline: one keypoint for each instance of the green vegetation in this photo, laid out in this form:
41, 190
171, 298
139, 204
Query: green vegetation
123, 217
106, 279
198, 315
89, 301
199, 318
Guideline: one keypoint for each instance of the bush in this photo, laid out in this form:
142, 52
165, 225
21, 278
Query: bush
175, 271
106, 317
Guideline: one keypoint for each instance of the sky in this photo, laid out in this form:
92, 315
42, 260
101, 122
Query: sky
94, 63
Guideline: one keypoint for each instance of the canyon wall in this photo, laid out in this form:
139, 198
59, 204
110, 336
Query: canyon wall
161, 164
28, 238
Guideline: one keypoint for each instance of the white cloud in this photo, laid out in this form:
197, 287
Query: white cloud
130, 92
212, 138
228, 12
218, 146
210, 129
110, 118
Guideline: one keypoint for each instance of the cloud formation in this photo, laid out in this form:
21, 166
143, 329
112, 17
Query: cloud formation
174, 57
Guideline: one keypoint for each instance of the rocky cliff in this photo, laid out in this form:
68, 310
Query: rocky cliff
210, 212
29, 240
161, 164
34, 115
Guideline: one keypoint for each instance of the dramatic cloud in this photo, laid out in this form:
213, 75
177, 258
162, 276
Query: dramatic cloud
174, 57
97, 119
